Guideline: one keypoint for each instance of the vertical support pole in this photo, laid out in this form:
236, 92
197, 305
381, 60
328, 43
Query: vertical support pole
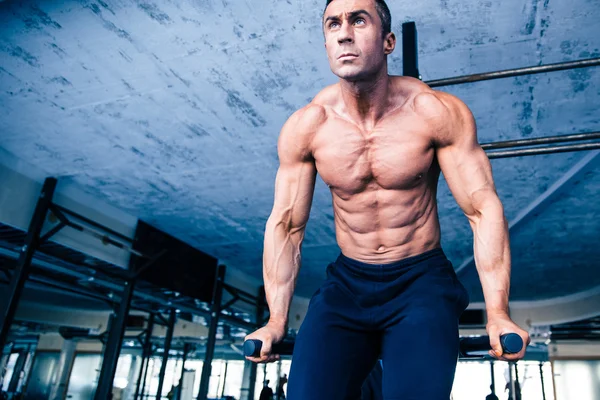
516, 385
113, 345
410, 56
186, 350
212, 332
31, 350
167, 348
511, 381
542, 379
260, 313
17, 371
63, 371
146, 352
5, 355
8, 307
493, 384
278, 381
224, 379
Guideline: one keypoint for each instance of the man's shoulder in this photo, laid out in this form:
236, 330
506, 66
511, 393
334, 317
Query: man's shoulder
432, 103
310, 117
300, 128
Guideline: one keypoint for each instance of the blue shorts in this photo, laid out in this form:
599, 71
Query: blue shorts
405, 313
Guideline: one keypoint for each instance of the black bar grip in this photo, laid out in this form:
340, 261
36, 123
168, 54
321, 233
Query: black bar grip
252, 348
511, 344
469, 346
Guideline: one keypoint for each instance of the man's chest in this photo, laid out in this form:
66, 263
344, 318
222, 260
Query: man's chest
395, 155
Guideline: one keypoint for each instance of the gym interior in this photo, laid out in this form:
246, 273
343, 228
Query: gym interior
138, 152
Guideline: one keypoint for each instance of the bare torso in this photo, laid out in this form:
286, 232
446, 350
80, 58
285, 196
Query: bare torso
383, 179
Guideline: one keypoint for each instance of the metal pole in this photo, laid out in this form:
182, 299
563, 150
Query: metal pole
538, 69
260, 311
410, 56
113, 345
493, 385
167, 348
152, 298
31, 350
212, 333
5, 355
63, 370
146, 350
186, 350
542, 379
541, 140
511, 381
17, 371
278, 381
543, 150
21, 271
224, 380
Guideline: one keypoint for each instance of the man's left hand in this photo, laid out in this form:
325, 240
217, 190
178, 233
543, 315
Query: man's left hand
501, 324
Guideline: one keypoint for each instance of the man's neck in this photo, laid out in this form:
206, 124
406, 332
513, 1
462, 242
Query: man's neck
366, 101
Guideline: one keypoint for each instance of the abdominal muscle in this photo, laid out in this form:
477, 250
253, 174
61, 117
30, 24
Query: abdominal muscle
379, 226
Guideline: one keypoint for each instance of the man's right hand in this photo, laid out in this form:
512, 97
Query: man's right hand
268, 334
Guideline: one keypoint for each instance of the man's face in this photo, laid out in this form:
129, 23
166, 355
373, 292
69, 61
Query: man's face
355, 45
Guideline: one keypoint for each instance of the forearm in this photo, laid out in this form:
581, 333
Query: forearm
281, 263
492, 256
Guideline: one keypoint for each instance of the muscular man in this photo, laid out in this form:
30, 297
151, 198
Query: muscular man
380, 142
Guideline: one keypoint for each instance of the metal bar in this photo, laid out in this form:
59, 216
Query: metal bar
230, 303
511, 381
151, 298
7, 275
538, 69
540, 140
233, 291
31, 350
260, 311
516, 385
212, 332
186, 350
542, 379
167, 348
575, 336
52, 232
410, 56
493, 384
18, 368
8, 306
113, 346
543, 150
105, 239
149, 263
224, 380
42, 281
146, 352
93, 223
162, 319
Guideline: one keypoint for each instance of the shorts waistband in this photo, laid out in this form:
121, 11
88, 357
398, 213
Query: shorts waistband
360, 267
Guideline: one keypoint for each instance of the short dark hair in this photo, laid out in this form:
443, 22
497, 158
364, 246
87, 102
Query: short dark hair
384, 15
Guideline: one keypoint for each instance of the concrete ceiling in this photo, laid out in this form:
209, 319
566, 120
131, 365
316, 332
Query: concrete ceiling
171, 111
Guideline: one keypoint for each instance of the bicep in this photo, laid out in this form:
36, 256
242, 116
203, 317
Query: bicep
463, 162
468, 172
294, 188
295, 181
